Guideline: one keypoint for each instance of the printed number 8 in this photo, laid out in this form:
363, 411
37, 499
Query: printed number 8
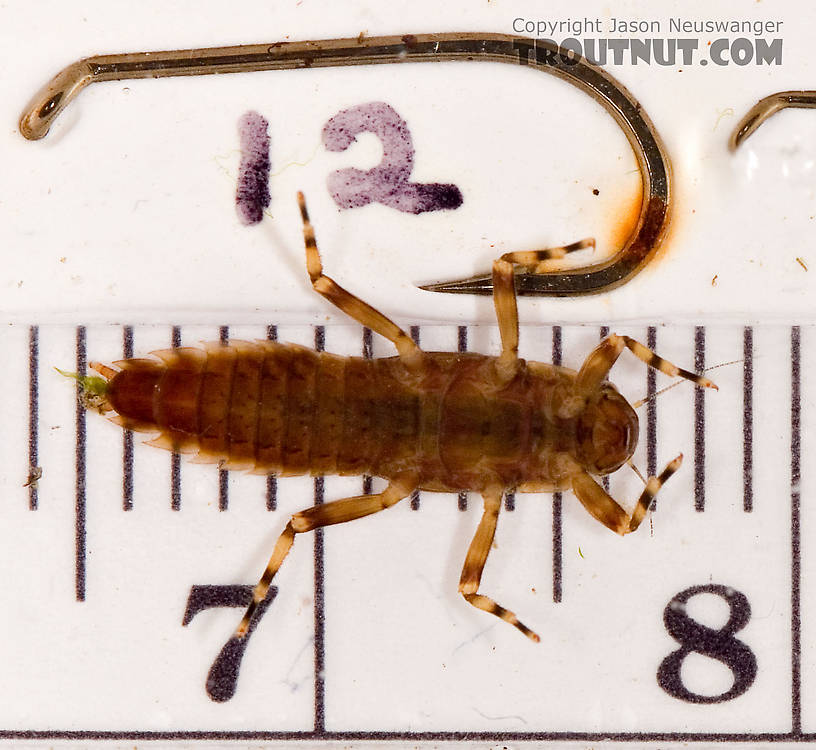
716, 644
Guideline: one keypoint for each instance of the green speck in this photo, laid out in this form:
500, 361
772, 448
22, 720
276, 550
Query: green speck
580, 553
93, 390
91, 384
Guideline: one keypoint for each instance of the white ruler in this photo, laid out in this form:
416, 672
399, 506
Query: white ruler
365, 637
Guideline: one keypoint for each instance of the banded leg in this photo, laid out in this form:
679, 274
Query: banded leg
337, 511
603, 507
504, 300
354, 307
598, 364
535, 261
475, 562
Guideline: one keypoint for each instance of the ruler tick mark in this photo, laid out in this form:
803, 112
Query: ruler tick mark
557, 513
127, 435
414, 330
81, 448
796, 571
699, 422
175, 459
319, 591
223, 474
651, 409
368, 353
271, 479
462, 346
33, 412
748, 420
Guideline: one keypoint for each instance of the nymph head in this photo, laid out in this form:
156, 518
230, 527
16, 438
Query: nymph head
606, 431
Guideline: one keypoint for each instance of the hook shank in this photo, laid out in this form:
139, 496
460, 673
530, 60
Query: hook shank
542, 55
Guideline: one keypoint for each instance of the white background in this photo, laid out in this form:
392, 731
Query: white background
133, 187
124, 213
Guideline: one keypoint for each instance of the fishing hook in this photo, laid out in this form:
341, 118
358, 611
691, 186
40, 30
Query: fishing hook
653, 162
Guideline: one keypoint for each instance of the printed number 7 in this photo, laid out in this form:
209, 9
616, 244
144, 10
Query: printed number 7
223, 675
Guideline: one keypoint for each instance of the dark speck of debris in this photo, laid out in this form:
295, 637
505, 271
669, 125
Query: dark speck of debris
595, 191
34, 475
